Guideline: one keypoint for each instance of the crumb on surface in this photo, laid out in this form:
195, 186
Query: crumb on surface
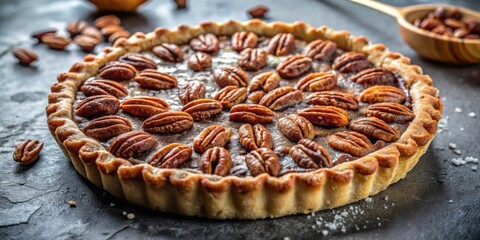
458, 110
472, 114
72, 203
130, 216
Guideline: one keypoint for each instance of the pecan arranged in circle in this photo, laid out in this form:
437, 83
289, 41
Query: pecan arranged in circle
296, 127
251, 113
376, 128
319, 81
266, 81
104, 128
199, 62
153, 79
132, 144
252, 59
169, 52
309, 154
230, 76
294, 66
117, 71
252, 138
25, 56
104, 87
191, 91
333, 98
378, 94
320, 50
230, 96
207, 43
217, 161
139, 61
201, 109
99, 105
350, 62
168, 122
212, 136
281, 98
281, 44
256, 97
243, 40
171, 156
374, 76
353, 143
144, 107
263, 160
390, 112
325, 116
27, 152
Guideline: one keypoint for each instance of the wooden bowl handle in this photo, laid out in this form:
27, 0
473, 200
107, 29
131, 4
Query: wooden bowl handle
381, 7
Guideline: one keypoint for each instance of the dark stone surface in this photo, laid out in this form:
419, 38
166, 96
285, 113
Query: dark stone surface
436, 200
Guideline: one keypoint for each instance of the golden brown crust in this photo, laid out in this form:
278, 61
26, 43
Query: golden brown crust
193, 193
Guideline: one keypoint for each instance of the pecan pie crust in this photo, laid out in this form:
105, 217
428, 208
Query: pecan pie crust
192, 193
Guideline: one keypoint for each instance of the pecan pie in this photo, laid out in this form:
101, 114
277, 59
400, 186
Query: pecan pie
244, 120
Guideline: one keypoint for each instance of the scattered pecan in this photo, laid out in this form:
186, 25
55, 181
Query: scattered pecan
281, 98
266, 81
390, 112
325, 116
76, 27
92, 32
199, 62
171, 156
169, 52
252, 59
25, 56
253, 138
181, 4
86, 43
294, 66
296, 127
144, 107
212, 136
374, 76
132, 144
378, 94
38, 35
201, 109
168, 122
56, 42
106, 127
281, 44
191, 91
318, 81
243, 40
376, 128
256, 97
350, 62
27, 152
333, 98
117, 71
353, 143
217, 161
106, 20
251, 113
229, 96
230, 76
207, 43
104, 87
309, 154
139, 61
320, 50
153, 79
107, 31
258, 11
118, 35
263, 160
99, 105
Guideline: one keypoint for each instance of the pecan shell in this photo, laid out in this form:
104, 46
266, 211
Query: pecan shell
117, 71
99, 105
350, 62
171, 156
309, 154
207, 43
144, 107
138, 61
169, 52
152, 79
199, 62
263, 160
230, 76
319, 81
106, 127
266, 81
252, 138
281, 98
378, 94
333, 98
251, 113
201, 109
104, 87
230, 96
390, 112
132, 144
353, 143
374, 76
217, 161
296, 127
376, 128
27, 152
244, 40
168, 122
294, 66
191, 91
212, 136
325, 116
281, 44
252, 59
320, 50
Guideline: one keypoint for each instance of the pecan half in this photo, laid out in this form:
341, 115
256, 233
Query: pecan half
201, 109
281, 44
217, 161
39, 34
191, 91
281, 98
104, 128
212, 136
252, 138
104, 87
320, 50
374, 76
86, 43
132, 144
318, 81
27, 152
378, 94
99, 105
263, 160
252, 59
117, 35
296, 127
107, 31
117, 71
199, 62
207, 43
144, 107
353, 143
25, 56
139, 61
76, 27
243, 40
251, 113
229, 96
230, 76
256, 97
350, 62
153, 79
376, 128
92, 32
258, 11
325, 116
309, 154
171, 156
56, 42
294, 66
169, 52
266, 81
106, 20
333, 98
390, 112
168, 122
